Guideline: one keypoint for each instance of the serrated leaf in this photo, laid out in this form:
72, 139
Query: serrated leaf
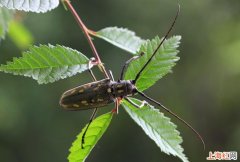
158, 127
47, 64
5, 17
160, 65
94, 133
122, 38
30, 5
20, 35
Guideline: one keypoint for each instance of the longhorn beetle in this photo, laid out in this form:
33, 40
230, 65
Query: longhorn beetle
101, 93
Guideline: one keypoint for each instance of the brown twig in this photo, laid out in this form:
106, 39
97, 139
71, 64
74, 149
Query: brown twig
86, 33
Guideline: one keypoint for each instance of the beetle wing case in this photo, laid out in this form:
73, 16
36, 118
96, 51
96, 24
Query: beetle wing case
88, 96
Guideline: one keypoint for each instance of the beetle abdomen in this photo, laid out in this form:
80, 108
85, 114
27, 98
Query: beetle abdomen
88, 96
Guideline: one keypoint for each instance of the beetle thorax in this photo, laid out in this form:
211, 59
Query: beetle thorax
122, 88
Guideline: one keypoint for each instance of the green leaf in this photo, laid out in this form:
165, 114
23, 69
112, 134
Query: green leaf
122, 38
47, 64
94, 133
20, 35
5, 16
160, 65
158, 127
30, 5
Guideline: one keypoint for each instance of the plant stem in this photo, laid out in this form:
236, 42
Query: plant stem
86, 33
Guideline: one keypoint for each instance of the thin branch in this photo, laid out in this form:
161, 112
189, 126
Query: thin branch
85, 31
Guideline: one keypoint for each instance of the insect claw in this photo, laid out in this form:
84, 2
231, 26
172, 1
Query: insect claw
114, 111
143, 104
141, 54
83, 141
92, 62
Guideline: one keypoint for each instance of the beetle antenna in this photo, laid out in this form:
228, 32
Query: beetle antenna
175, 115
155, 52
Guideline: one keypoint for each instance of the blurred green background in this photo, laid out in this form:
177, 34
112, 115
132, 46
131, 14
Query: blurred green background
204, 88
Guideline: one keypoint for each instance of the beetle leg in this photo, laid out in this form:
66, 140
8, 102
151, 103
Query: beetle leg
130, 101
135, 105
90, 121
92, 75
90, 65
111, 75
128, 62
117, 102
